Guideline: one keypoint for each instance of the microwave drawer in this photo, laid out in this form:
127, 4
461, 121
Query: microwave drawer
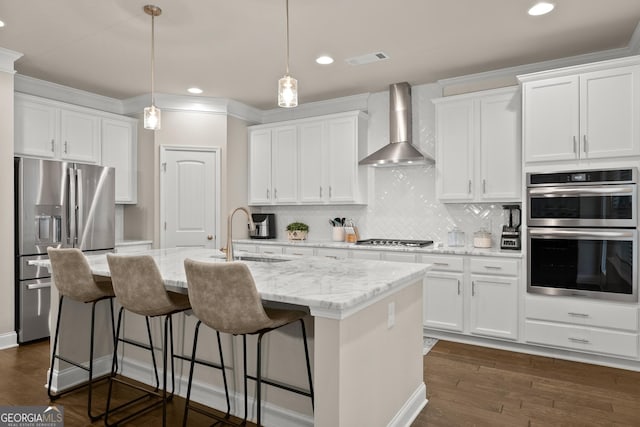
487, 265
585, 339
444, 263
582, 312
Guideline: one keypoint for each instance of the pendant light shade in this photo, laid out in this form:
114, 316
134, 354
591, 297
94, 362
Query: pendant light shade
287, 85
152, 118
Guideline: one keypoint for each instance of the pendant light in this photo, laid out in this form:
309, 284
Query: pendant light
152, 119
287, 85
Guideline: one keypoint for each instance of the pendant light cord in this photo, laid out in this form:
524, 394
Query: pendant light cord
287, 32
153, 58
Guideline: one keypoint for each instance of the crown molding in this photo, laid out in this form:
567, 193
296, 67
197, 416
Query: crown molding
7, 60
319, 108
634, 42
56, 92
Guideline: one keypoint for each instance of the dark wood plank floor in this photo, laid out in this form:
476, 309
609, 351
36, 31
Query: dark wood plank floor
466, 386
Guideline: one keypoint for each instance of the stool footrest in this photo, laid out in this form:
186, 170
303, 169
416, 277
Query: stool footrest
200, 361
283, 386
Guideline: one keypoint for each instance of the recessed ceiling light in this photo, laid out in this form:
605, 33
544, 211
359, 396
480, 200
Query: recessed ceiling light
324, 60
1, 24
541, 8
194, 90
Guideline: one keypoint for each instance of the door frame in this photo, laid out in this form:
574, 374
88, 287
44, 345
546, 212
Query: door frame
163, 157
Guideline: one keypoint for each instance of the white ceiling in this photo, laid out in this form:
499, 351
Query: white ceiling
236, 48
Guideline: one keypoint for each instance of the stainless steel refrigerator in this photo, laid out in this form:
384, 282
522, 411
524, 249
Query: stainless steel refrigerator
58, 204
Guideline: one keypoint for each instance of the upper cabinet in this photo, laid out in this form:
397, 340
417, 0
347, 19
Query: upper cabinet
308, 161
44, 129
119, 149
54, 130
478, 146
584, 112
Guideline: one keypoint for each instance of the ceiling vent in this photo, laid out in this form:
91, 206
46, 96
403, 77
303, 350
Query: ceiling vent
367, 58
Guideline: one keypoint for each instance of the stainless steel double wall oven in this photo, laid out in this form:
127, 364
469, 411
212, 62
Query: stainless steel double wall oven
582, 234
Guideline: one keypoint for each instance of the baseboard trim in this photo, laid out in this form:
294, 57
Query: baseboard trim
411, 408
8, 340
73, 376
213, 396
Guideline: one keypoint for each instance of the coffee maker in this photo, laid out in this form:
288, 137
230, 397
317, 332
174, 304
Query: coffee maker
511, 232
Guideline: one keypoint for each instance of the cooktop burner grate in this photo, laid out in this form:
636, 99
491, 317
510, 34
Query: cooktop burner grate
395, 242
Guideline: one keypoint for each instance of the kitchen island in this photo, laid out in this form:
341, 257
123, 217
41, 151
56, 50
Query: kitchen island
367, 335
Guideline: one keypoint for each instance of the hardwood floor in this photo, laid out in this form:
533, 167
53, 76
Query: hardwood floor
466, 386
477, 386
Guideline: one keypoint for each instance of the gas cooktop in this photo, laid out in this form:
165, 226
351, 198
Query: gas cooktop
395, 242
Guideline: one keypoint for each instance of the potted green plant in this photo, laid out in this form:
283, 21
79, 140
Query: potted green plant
297, 231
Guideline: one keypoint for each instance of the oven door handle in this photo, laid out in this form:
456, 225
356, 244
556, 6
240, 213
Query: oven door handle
576, 191
547, 232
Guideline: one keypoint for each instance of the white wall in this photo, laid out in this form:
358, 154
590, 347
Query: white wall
7, 326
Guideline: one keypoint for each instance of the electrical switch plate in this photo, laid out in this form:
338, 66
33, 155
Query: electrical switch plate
391, 314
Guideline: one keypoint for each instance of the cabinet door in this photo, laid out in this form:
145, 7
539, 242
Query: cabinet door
550, 120
443, 302
494, 306
284, 166
260, 167
454, 164
36, 129
500, 152
609, 111
313, 188
342, 163
119, 150
79, 136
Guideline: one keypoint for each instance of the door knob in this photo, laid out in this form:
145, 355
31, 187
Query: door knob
209, 237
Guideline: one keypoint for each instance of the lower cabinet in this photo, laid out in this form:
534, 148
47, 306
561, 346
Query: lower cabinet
472, 295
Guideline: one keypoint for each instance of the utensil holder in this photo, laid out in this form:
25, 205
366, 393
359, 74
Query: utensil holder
337, 234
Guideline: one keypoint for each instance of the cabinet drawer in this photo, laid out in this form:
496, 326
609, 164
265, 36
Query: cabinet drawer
238, 249
333, 253
580, 338
290, 250
270, 250
486, 265
373, 255
444, 263
399, 257
581, 312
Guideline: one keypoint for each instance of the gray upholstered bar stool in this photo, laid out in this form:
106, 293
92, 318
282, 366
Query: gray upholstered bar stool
224, 297
139, 288
74, 280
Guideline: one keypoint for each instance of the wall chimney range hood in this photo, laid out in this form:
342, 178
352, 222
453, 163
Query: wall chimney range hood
400, 151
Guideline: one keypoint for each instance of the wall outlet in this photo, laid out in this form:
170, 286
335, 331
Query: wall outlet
391, 314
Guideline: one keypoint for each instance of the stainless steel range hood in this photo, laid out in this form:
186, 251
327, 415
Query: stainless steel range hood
400, 151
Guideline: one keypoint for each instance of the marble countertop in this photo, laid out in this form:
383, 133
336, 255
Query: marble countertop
330, 288
462, 250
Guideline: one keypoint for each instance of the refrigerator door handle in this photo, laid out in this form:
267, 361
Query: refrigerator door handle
79, 211
71, 207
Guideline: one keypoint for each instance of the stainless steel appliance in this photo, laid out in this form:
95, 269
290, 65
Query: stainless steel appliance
265, 226
395, 242
582, 234
510, 238
58, 204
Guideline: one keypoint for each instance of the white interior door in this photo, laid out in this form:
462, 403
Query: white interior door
189, 197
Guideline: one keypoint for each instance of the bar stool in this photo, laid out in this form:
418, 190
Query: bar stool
139, 288
224, 297
74, 280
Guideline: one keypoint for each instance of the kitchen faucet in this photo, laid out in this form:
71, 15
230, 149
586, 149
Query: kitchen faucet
252, 227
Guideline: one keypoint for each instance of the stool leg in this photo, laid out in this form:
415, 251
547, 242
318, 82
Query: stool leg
224, 373
244, 364
306, 355
165, 345
153, 355
113, 328
91, 340
191, 369
55, 349
113, 367
173, 369
258, 379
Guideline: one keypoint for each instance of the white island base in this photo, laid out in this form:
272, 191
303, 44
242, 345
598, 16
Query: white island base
366, 342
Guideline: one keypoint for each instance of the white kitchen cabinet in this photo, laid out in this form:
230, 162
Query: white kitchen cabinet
119, 150
300, 251
443, 301
478, 146
494, 306
53, 130
582, 112
273, 164
313, 161
332, 253
361, 254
